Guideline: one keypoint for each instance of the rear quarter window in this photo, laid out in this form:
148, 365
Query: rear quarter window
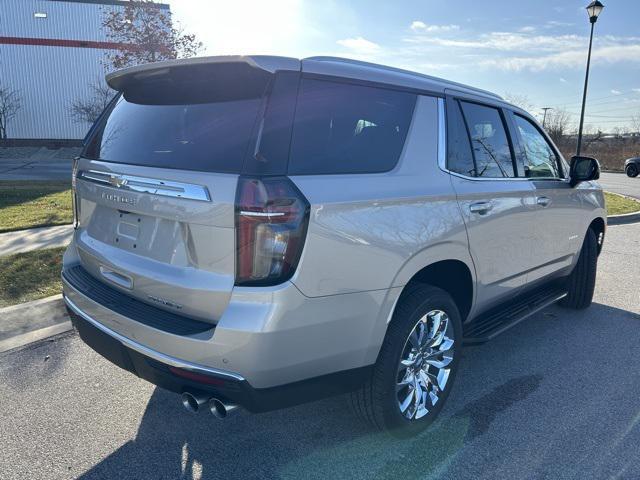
344, 128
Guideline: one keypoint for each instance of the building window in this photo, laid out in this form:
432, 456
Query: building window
40, 15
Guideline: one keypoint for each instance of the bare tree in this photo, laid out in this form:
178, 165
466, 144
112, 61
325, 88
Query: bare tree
557, 124
87, 110
10, 104
145, 33
635, 124
518, 100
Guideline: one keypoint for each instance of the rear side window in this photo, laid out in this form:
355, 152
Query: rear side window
491, 149
540, 159
459, 155
345, 128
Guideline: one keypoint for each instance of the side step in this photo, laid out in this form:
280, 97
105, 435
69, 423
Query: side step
502, 318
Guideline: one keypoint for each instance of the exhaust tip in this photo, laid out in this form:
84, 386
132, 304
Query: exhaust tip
190, 403
221, 410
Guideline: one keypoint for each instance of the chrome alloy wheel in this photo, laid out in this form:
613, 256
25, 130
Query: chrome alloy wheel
423, 369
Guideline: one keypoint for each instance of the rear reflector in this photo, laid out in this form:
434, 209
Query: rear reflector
197, 377
271, 225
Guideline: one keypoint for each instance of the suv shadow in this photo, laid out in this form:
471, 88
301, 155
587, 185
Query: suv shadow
317, 439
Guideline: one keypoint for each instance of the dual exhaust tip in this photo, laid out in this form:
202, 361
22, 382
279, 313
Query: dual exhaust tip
194, 402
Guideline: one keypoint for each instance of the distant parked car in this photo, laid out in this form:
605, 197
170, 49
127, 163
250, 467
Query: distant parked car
632, 167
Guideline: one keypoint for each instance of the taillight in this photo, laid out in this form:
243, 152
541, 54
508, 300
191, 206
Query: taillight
271, 225
74, 195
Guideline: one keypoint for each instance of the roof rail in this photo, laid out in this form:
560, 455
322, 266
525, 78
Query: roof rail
378, 66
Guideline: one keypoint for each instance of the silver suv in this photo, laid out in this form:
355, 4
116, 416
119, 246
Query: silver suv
259, 232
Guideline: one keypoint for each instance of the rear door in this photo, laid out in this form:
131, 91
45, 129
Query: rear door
496, 205
557, 221
156, 185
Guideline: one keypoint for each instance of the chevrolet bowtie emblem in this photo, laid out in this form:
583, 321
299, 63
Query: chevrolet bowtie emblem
117, 181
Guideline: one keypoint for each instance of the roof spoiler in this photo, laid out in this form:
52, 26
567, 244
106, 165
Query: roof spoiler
121, 79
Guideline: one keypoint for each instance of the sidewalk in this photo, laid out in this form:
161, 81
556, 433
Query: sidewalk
35, 239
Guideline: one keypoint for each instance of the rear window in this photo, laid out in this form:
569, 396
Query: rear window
346, 128
204, 124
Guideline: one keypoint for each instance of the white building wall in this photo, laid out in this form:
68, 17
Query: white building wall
50, 78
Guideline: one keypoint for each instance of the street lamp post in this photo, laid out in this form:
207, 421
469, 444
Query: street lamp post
593, 10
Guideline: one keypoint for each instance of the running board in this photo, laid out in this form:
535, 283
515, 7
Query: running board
498, 320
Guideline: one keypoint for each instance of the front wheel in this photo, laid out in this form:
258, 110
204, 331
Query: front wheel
582, 281
416, 365
632, 170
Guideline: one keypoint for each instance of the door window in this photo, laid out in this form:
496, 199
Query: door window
489, 141
459, 156
540, 160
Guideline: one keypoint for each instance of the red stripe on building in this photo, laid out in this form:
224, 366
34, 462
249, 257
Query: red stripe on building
54, 42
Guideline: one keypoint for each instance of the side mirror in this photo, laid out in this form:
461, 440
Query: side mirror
583, 169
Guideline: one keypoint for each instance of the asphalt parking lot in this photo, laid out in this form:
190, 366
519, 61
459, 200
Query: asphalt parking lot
555, 397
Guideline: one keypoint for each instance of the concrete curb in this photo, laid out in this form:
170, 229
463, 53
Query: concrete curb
33, 303
32, 321
625, 218
30, 337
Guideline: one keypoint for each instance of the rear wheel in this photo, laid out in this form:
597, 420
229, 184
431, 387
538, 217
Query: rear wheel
632, 170
582, 281
416, 365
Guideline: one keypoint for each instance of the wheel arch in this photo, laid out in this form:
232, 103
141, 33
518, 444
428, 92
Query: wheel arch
446, 266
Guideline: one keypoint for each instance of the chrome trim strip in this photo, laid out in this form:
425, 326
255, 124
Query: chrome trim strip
154, 186
442, 136
247, 213
160, 357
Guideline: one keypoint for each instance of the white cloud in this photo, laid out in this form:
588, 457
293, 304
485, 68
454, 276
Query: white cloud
554, 24
637, 90
527, 29
516, 51
566, 59
563, 80
616, 92
418, 26
506, 41
359, 45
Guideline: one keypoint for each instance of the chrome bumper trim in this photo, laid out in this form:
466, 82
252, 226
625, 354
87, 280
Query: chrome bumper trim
146, 351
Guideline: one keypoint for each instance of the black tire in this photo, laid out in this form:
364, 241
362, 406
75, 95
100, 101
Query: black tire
582, 281
377, 400
632, 170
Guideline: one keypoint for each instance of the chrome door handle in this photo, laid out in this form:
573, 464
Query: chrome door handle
480, 207
543, 201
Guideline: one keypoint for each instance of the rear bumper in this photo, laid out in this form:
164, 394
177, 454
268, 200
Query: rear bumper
180, 376
267, 337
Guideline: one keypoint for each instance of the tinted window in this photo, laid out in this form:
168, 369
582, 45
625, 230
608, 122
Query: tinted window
343, 128
540, 159
194, 120
489, 141
459, 156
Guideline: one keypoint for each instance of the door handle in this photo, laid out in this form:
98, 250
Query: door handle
480, 207
543, 201
117, 278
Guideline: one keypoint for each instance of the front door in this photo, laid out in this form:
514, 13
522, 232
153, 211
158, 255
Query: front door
557, 238
497, 206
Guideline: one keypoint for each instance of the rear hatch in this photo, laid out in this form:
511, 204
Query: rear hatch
156, 183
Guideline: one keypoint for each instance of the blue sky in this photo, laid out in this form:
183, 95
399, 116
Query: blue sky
532, 48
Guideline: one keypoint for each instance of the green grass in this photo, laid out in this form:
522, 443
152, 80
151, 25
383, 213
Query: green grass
34, 204
617, 204
30, 276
